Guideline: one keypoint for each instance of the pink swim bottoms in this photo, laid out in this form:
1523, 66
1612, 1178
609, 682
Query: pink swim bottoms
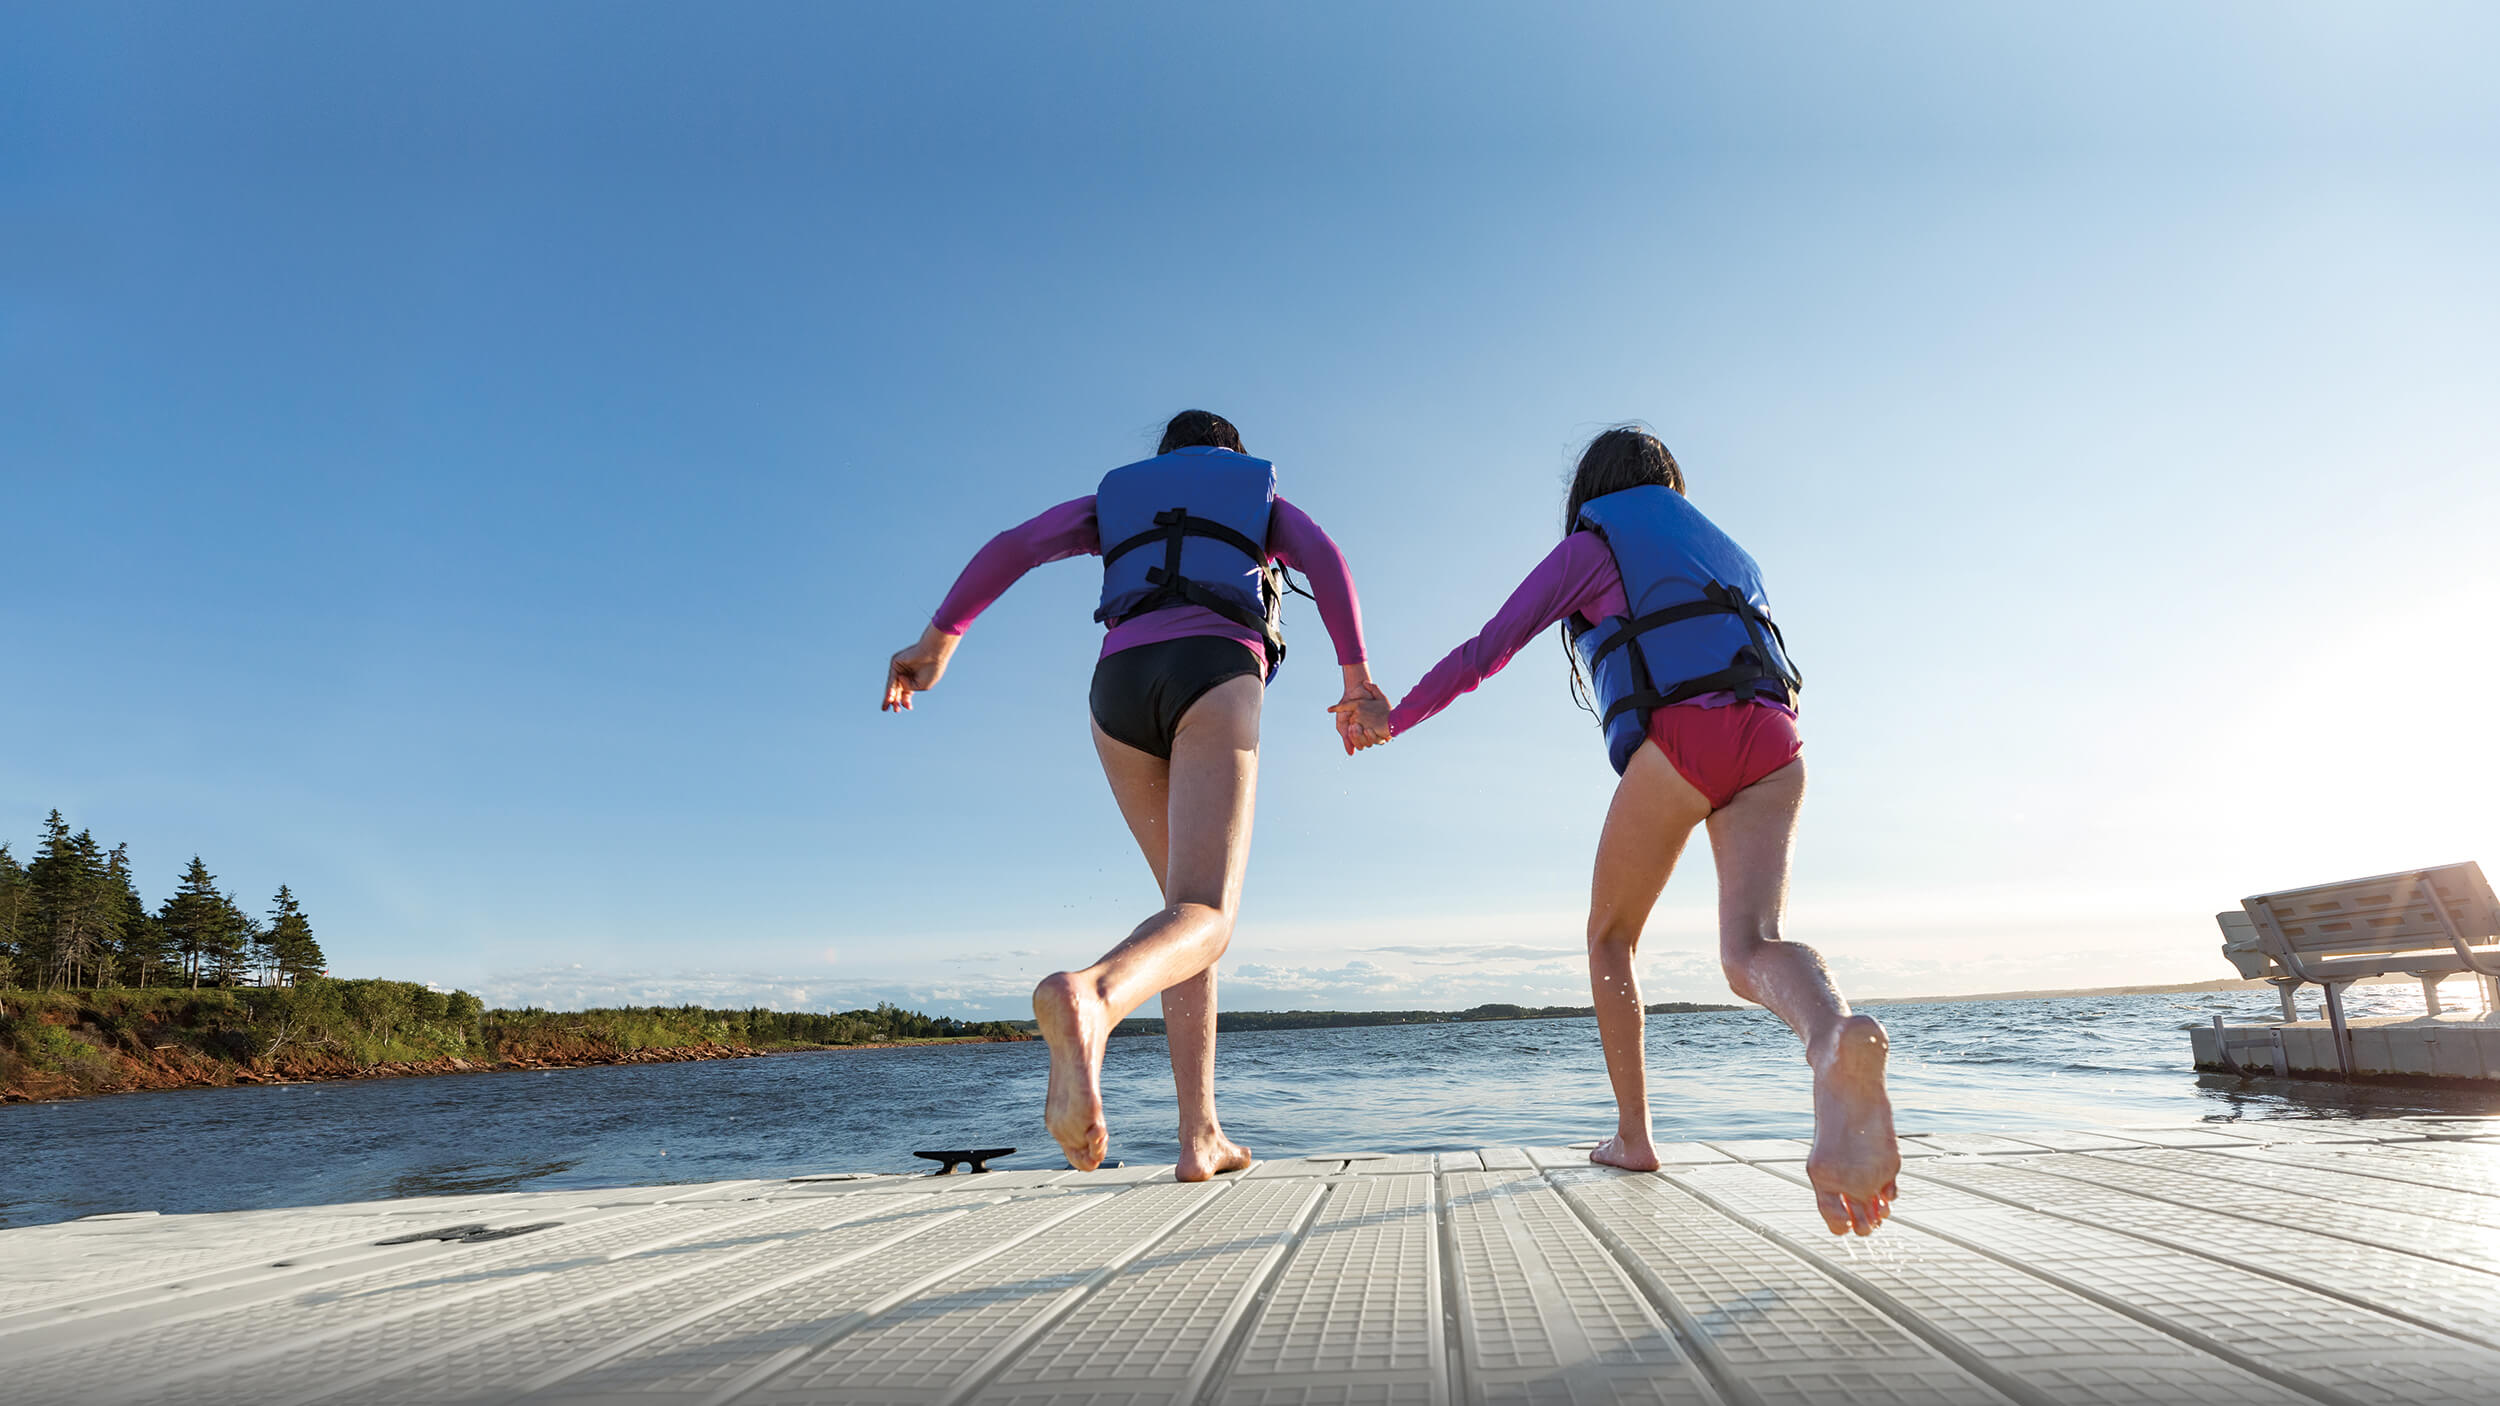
1724, 750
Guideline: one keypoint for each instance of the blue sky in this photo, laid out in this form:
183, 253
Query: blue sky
470, 465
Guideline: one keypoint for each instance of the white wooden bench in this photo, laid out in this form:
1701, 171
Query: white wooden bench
2429, 924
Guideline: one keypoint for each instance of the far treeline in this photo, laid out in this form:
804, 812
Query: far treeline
1346, 1020
72, 918
66, 1042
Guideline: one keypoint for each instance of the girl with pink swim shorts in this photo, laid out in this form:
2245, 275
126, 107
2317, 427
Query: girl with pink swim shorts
1666, 615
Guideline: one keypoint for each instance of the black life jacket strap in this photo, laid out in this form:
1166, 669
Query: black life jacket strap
1754, 671
1659, 619
1745, 676
1174, 524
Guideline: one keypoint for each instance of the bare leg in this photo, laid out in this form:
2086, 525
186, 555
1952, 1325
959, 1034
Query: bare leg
1654, 812
1855, 1157
1189, 1027
1191, 817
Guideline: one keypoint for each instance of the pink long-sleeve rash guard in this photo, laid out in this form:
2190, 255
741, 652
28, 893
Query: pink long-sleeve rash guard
1069, 530
1578, 576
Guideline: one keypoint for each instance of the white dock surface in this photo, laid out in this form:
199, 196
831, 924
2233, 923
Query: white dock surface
2336, 1262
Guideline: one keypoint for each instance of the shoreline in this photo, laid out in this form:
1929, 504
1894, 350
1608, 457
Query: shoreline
164, 1068
161, 1078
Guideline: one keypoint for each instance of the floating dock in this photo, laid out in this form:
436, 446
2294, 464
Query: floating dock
2276, 1262
2453, 1045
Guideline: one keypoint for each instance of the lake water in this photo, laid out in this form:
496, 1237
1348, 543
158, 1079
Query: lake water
1964, 1066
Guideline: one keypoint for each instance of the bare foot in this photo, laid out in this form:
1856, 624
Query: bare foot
1071, 1019
1631, 1154
1204, 1156
1855, 1159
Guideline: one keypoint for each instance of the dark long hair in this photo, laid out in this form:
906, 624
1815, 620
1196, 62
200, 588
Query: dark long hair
1627, 456
1196, 427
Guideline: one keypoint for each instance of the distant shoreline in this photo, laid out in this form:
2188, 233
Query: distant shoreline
1231, 1021
2183, 988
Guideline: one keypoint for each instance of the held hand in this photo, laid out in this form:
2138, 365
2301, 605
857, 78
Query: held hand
917, 668
1362, 717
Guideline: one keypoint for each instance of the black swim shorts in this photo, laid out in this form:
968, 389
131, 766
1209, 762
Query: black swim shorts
1140, 694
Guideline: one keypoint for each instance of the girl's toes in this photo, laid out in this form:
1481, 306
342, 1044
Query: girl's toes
1835, 1211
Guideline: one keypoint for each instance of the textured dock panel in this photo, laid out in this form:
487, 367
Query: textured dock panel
2305, 1336
1762, 1149
744, 1340
1154, 1333
2450, 1166
2337, 1262
2074, 1139
994, 1183
2033, 1339
195, 1339
82, 1262
2434, 1292
2203, 1135
1575, 1158
947, 1336
2396, 1230
1544, 1313
343, 1364
1295, 1167
2277, 1130
2271, 1172
1787, 1333
509, 1352
1356, 1314
1975, 1144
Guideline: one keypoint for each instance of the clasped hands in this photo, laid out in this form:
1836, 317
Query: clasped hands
1362, 716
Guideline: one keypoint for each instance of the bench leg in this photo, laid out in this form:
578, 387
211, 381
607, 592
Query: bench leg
2343, 1032
2222, 1045
2284, 991
2430, 994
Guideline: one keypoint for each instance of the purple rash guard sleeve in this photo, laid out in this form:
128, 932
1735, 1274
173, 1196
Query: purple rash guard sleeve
1058, 533
1578, 575
1299, 543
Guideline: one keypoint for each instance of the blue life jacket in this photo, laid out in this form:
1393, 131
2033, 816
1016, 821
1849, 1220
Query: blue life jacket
1190, 528
1698, 620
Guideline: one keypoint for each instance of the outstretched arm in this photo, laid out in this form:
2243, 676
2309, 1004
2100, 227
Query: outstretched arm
1295, 540
1578, 575
1064, 531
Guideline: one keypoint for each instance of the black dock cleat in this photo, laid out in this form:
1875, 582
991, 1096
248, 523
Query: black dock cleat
979, 1157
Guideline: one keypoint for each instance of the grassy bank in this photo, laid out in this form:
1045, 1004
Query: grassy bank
62, 1044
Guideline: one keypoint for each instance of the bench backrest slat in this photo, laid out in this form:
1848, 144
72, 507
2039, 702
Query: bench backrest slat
2388, 914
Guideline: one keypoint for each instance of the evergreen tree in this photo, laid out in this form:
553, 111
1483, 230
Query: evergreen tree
200, 925
139, 957
78, 910
290, 936
16, 914
239, 937
47, 886
261, 958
